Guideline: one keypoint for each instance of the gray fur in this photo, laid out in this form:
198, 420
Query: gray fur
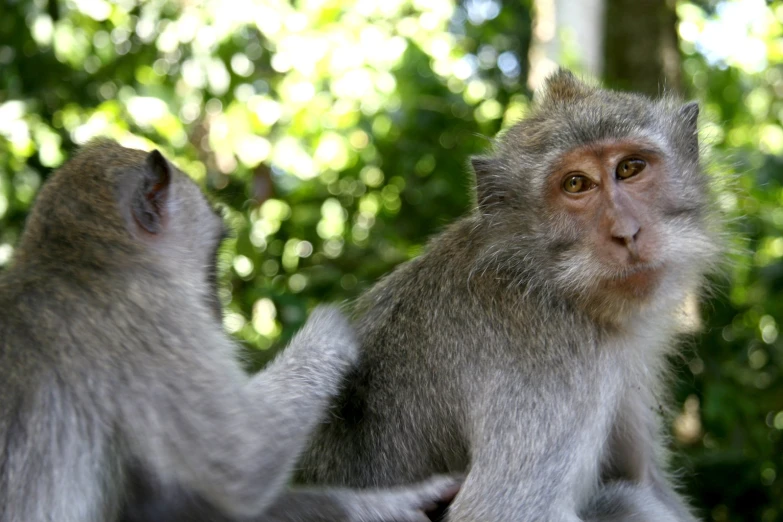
402, 504
113, 360
496, 353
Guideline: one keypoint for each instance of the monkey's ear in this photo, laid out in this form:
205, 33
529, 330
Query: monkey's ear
150, 197
489, 192
688, 114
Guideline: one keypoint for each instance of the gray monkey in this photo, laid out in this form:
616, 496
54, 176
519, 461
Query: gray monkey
527, 346
114, 365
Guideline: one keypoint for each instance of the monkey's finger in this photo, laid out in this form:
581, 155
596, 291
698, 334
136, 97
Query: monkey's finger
441, 489
422, 502
431, 495
438, 512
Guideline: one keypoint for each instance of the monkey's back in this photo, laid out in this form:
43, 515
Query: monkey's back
38, 364
402, 417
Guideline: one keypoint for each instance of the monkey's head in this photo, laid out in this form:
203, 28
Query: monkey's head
113, 210
598, 197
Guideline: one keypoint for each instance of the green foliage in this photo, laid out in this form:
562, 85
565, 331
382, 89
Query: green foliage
732, 53
336, 135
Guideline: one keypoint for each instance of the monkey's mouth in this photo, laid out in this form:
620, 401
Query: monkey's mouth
638, 280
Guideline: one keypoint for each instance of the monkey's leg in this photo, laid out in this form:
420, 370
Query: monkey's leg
623, 501
665, 493
531, 448
203, 426
637, 488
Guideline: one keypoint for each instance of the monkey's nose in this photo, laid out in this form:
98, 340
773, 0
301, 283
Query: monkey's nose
629, 240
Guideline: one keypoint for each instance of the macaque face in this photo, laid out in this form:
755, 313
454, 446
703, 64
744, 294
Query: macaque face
606, 194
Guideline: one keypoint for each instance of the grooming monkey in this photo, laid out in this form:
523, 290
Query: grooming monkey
114, 366
527, 347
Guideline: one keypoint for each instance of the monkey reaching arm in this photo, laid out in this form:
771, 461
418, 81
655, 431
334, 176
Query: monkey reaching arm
114, 369
232, 441
289, 397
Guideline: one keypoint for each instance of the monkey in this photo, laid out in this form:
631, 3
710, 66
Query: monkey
527, 346
114, 364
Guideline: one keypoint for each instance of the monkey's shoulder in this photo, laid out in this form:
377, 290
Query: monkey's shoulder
440, 272
53, 320
444, 296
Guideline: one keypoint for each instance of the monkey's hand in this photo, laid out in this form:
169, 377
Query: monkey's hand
317, 358
415, 503
420, 502
327, 337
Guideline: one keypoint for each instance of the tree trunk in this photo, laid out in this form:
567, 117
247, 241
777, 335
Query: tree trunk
640, 46
566, 33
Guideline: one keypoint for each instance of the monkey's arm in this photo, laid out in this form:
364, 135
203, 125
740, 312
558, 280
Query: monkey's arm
202, 425
402, 504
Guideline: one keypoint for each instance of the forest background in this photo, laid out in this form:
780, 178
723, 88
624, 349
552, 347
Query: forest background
336, 136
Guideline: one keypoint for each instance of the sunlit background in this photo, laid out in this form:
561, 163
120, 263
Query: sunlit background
336, 135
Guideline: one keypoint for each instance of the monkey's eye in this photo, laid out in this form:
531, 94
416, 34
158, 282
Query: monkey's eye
576, 183
630, 167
